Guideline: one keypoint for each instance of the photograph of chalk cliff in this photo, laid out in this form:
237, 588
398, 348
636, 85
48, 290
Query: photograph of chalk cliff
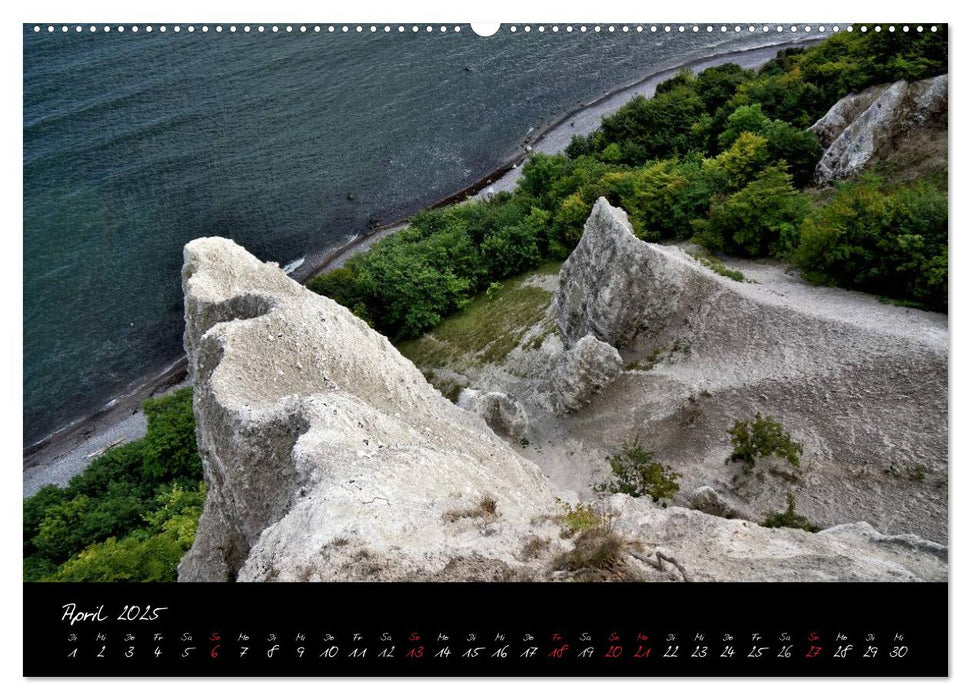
566, 303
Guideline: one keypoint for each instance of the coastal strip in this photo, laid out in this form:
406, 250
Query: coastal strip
551, 138
68, 451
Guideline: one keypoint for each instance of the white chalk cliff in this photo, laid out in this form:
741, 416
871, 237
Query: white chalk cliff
873, 122
329, 457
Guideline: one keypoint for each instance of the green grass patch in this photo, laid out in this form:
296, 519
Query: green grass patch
716, 265
488, 329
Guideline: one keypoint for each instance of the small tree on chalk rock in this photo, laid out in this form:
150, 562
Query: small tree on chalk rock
637, 472
762, 437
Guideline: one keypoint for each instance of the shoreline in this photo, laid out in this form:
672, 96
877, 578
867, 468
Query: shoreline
506, 173
72, 445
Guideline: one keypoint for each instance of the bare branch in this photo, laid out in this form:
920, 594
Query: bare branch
677, 565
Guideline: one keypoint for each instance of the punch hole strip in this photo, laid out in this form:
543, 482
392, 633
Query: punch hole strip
485, 31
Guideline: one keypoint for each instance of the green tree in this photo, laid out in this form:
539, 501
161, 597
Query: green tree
570, 217
412, 281
665, 197
797, 148
515, 248
717, 85
658, 128
149, 554
760, 219
884, 242
748, 118
169, 447
737, 166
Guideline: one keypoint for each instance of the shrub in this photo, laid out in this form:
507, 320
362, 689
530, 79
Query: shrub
890, 243
760, 219
487, 507
533, 547
596, 549
578, 518
150, 554
759, 438
789, 518
636, 472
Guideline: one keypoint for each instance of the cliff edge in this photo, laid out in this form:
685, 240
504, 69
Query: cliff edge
328, 455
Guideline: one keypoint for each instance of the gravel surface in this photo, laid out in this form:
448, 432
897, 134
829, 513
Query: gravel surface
60, 470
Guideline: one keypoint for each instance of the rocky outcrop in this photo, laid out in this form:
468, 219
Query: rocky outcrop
582, 372
501, 412
869, 124
328, 456
707, 500
715, 549
614, 287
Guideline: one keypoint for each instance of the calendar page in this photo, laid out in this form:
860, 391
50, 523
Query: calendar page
524, 349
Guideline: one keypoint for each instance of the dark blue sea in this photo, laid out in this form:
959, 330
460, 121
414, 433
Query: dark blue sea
135, 144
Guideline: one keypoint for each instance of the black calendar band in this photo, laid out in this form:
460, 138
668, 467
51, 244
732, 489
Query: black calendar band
435, 629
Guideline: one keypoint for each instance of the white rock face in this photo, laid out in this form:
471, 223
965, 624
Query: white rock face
501, 412
582, 372
861, 126
611, 286
715, 549
328, 455
862, 385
